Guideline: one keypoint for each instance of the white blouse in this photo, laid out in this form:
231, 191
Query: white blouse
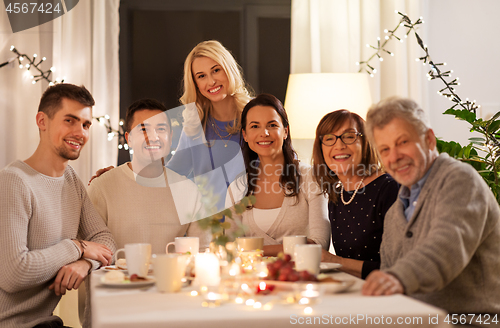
264, 218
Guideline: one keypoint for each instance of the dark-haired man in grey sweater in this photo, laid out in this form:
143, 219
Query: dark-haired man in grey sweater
51, 235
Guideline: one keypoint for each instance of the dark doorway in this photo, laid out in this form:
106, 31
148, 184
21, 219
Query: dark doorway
156, 36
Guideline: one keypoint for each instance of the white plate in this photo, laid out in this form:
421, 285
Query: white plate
326, 287
129, 284
328, 266
113, 268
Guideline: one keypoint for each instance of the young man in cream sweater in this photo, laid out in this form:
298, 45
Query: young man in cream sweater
142, 201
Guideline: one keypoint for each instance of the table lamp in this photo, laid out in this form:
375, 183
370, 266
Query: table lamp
310, 96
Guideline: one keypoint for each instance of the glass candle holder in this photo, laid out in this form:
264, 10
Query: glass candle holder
308, 293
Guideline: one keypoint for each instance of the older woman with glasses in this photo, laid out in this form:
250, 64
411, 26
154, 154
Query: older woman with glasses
347, 170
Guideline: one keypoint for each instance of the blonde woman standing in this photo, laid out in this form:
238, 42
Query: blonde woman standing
209, 146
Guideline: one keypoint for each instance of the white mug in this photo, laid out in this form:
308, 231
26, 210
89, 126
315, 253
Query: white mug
308, 257
185, 244
289, 243
249, 243
167, 271
138, 257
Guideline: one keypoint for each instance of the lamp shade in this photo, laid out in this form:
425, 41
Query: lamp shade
310, 96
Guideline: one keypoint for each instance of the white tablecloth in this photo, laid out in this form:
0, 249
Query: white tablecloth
135, 307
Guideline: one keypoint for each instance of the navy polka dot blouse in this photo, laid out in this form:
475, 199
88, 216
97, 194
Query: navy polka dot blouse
357, 228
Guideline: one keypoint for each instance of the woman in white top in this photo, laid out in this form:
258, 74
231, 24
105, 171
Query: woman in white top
288, 200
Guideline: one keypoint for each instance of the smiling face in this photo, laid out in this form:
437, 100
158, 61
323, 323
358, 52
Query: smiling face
68, 130
210, 78
342, 159
264, 131
406, 154
150, 137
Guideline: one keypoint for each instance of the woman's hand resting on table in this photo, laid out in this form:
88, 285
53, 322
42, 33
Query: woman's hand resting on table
101, 171
382, 283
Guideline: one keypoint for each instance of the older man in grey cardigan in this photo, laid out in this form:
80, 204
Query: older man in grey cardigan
441, 241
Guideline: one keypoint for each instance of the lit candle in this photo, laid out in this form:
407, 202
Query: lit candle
207, 270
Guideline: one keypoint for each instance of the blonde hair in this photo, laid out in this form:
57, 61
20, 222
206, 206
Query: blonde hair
237, 88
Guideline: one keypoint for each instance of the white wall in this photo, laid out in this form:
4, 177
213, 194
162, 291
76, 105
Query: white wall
465, 35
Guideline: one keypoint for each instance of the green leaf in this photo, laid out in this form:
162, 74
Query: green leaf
227, 212
479, 123
239, 208
497, 115
462, 114
477, 139
225, 225
216, 229
493, 126
467, 151
244, 201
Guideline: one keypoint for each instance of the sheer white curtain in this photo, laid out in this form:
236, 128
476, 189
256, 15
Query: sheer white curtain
86, 52
83, 46
330, 36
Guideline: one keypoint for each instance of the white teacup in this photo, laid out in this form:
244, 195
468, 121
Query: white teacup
289, 243
308, 257
138, 257
185, 244
249, 243
168, 271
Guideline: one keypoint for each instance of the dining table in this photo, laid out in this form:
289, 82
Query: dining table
114, 307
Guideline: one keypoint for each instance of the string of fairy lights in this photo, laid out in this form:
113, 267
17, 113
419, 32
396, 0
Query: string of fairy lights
33, 64
390, 35
435, 72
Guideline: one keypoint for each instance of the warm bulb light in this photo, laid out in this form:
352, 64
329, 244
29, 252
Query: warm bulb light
320, 92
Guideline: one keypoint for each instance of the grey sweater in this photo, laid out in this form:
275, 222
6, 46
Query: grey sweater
39, 216
448, 254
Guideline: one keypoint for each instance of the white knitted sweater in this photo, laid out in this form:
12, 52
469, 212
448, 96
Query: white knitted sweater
39, 216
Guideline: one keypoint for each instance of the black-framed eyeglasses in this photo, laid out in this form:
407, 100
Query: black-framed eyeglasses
347, 138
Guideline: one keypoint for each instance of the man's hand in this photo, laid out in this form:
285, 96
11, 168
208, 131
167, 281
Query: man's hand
95, 251
70, 276
98, 252
101, 171
381, 283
